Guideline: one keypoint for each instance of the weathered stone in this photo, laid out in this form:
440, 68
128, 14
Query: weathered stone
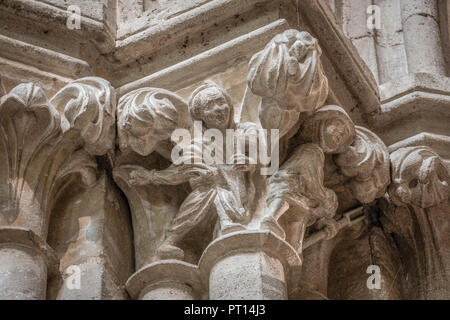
257, 147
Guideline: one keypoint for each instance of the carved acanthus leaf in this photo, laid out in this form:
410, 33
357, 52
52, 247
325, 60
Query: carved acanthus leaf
29, 128
41, 150
366, 163
89, 105
147, 117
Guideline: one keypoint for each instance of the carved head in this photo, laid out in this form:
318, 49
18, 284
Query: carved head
289, 70
148, 116
212, 105
331, 128
419, 177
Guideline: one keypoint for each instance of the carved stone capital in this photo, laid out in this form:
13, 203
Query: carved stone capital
415, 212
41, 149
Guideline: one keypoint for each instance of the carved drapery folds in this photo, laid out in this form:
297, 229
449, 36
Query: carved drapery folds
41, 148
198, 215
180, 209
288, 79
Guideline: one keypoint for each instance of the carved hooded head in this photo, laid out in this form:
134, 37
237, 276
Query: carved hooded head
211, 104
331, 128
419, 177
289, 71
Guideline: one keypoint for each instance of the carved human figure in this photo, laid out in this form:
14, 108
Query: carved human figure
216, 187
328, 130
331, 128
146, 119
299, 185
289, 77
366, 165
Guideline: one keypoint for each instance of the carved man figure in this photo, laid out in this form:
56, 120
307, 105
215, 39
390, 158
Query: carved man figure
216, 187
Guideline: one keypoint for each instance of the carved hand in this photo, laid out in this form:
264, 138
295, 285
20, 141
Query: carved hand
141, 177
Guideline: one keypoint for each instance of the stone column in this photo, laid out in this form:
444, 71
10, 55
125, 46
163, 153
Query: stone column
165, 280
250, 265
422, 37
25, 262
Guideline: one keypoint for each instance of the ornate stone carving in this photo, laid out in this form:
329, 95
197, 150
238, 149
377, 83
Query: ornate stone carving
147, 117
366, 163
209, 223
41, 148
289, 78
286, 90
216, 189
331, 128
419, 178
415, 212
89, 106
299, 184
42, 153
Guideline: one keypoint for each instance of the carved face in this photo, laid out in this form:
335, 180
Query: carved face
337, 134
331, 128
212, 108
420, 179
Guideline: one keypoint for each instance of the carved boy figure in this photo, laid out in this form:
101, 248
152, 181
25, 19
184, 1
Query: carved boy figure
299, 185
216, 187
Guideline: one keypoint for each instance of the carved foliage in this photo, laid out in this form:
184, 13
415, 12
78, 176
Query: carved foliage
89, 106
38, 146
